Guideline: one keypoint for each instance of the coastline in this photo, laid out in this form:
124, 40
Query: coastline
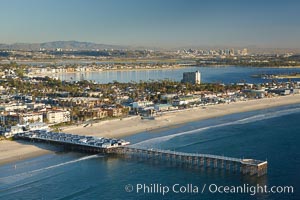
12, 151
110, 70
179, 66
128, 126
226, 65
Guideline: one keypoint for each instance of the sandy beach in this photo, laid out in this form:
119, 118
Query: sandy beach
14, 151
128, 126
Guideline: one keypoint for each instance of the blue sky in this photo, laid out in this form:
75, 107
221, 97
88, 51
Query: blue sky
163, 23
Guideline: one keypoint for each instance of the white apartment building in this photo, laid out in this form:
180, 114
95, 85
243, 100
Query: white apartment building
58, 116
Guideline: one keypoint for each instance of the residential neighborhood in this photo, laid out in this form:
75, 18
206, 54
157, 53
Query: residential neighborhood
29, 103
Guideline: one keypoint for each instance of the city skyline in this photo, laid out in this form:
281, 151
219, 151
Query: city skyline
153, 23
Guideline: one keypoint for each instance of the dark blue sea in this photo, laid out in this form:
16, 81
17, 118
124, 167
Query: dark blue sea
272, 135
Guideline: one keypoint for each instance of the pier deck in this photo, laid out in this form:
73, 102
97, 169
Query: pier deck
115, 146
245, 166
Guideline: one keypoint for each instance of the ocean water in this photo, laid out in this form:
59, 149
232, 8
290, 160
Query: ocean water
272, 135
228, 74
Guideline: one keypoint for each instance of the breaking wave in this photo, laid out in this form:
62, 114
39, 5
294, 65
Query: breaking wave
24, 175
154, 141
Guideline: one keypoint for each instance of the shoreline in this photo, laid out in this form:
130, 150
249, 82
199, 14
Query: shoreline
132, 125
109, 70
13, 151
226, 65
153, 69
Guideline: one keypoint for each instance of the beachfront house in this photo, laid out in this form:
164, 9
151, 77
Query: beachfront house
280, 91
114, 112
184, 100
9, 132
255, 93
164, 107
141, 104
11, 118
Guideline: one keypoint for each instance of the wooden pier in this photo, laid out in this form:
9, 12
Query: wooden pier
244, 166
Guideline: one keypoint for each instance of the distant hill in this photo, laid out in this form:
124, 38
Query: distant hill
60, 44
76, 45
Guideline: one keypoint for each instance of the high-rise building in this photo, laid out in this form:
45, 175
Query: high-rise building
191, 77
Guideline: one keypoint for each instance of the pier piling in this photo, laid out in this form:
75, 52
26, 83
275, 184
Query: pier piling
244, 166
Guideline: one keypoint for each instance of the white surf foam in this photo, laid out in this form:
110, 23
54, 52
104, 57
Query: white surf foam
154, 141
24, 175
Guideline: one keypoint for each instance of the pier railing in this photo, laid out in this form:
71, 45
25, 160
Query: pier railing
245, 166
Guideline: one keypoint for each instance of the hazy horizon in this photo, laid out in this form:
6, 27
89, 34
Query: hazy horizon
162, 24
204, 47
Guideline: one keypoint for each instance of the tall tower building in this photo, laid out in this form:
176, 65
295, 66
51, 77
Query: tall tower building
191, 77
